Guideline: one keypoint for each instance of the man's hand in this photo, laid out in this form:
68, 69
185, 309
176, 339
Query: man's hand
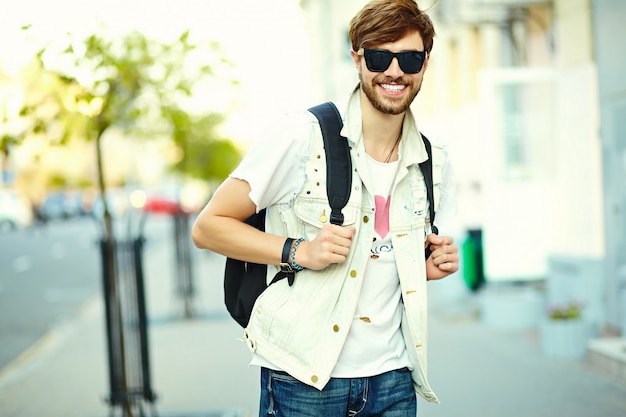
330, 246
444, 259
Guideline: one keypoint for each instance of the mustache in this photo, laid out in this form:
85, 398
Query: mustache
383, 79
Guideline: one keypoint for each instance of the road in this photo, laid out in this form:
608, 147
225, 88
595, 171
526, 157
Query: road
46, 274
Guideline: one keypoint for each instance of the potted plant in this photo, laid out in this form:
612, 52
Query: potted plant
565, 333
568, 311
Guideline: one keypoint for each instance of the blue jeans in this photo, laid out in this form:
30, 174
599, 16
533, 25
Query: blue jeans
387, 395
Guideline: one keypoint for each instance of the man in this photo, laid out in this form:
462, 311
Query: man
349, 337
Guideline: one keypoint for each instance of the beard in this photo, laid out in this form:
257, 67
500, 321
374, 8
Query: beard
390, 105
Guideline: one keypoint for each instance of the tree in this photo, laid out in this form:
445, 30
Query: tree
141, 87
137, 85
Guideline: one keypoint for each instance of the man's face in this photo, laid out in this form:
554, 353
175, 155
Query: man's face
392, 91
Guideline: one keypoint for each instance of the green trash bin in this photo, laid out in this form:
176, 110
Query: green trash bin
472, 257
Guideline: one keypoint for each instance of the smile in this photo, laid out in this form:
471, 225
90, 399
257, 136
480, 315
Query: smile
393, 88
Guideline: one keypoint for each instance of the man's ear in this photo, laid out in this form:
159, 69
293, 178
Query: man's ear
357, 60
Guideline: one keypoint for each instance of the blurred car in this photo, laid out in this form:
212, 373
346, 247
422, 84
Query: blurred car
162, 205
53, 207
117, 203
15, 211
61, 205
172, 199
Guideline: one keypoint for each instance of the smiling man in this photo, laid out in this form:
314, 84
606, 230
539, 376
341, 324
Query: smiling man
349, 336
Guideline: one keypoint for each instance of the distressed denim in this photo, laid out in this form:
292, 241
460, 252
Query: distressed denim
387, 395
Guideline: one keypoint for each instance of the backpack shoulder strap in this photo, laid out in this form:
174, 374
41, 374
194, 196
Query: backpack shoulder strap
427, 172
338, 160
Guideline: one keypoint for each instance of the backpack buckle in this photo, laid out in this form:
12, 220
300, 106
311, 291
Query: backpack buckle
336, 218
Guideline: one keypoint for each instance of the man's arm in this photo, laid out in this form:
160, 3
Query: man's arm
444, 259
220, 228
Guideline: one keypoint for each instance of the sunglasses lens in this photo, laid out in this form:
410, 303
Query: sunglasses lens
411, 62
378, 60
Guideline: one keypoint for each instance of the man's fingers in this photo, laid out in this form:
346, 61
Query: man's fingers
448, 266
332, 245
441, 240
433, 239
448, 252
445, 256
340, 236
346, 232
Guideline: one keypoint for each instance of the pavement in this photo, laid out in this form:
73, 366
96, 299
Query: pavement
200, 368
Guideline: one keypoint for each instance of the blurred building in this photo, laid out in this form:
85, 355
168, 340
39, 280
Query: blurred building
529, 97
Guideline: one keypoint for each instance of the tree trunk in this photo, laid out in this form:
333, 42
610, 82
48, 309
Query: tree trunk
111, 288
106, 216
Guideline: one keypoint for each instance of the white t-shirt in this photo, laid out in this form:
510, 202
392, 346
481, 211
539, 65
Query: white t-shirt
375, 344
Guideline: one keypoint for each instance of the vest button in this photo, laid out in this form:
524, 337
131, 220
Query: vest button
335, 328
314, 378
353, 273
366, 219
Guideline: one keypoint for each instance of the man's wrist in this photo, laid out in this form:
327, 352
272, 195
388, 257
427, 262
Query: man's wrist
285, 264
292, 255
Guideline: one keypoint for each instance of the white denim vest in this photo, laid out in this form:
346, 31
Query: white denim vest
302, 328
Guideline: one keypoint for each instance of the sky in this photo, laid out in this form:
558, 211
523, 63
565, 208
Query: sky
265, 39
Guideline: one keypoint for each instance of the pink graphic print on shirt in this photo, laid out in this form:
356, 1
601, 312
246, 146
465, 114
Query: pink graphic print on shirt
381, 218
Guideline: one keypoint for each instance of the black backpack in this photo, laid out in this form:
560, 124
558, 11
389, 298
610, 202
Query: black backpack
245, 281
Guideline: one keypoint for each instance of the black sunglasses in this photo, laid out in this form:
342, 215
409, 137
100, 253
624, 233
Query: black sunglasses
378, 60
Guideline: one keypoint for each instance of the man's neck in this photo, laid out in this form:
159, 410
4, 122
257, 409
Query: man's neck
380, 130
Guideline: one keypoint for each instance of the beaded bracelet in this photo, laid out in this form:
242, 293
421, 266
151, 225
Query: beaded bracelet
292, 255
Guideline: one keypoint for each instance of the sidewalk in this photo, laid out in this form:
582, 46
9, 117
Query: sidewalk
481, 372
199, 368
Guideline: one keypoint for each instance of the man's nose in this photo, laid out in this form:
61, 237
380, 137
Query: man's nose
394, 69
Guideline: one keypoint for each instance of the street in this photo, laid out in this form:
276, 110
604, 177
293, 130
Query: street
47, 272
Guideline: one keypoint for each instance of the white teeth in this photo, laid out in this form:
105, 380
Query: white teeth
394, 88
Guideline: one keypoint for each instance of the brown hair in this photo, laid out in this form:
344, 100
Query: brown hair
382, 21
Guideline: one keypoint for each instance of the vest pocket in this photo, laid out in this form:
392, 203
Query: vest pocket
313, 214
